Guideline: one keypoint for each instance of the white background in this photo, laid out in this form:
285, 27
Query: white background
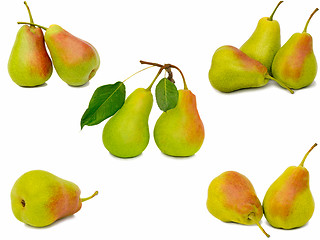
257, 132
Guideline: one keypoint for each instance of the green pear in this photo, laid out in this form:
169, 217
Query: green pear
179, 131
76, 61
29, 64
126, 134
288, 202
232, 198
39, 198
295, 63
231, 70
265, 41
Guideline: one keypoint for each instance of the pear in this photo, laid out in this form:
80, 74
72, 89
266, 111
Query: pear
76, 61
232, 198
265, 41
288, 202
179, 131
295, 63
231, 70
126, 134
29, 64
39, 198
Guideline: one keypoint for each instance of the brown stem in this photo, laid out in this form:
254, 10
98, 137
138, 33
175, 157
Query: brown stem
184, 80
166, 66
151, 63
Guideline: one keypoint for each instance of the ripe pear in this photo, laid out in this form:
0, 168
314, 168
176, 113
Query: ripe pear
179, 131
232, 198
39, 198
126, 134
265, 41
231, 70
288, 202
76, 61
295, 63
29, 64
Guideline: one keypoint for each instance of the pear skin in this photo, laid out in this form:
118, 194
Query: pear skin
180, 131
76, 61
232, 198
29, 64
295, 63
265, 41
126, 134
39, 198
288, 202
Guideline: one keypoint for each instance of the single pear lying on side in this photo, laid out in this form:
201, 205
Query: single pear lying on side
232, 69
76, 61
39, 198
232, 198
180, 131
265, 41
126, 134
288, 202
29, 64
295, 63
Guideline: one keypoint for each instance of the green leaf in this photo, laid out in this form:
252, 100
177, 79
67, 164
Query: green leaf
105, 102
166, 94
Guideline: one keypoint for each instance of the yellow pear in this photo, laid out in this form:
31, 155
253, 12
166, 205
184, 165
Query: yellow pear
232, 198
288, 202
39, 198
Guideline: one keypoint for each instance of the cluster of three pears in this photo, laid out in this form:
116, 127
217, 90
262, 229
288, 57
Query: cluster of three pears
177, 132
250, 66
293, 65
76, 61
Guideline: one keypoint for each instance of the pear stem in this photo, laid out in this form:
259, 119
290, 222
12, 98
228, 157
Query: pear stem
30, 16
168, 66
305, 156
33, 24
85, 199
158, 74
271, 17
252, 217
183, 79
280, 83
137, 73
305, 28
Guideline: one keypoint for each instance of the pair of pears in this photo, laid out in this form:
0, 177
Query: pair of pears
261, 58
39, 198
177, 132
76, 61
287, 204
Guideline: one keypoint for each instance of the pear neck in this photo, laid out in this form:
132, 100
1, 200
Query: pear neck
274, 11
305, 156
306, 26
